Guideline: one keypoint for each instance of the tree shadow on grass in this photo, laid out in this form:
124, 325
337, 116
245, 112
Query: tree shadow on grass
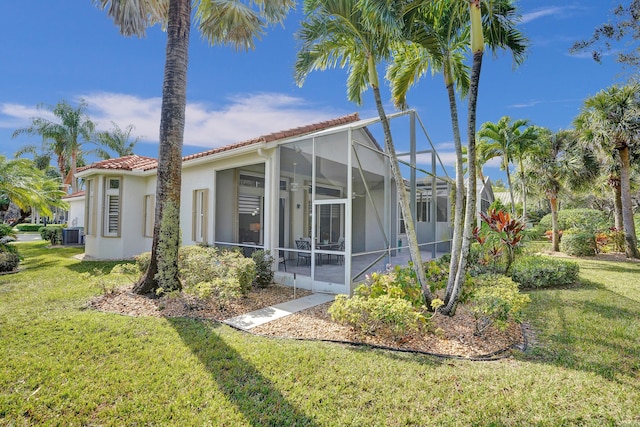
593, 333
243, 385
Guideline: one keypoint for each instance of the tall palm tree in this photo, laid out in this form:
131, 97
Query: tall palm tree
64, 136
508, 140
345, 32
611, 121
220, 22
477, 50
117, 140
561, 165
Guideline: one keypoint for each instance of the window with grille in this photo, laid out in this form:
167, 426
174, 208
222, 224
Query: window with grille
112, 207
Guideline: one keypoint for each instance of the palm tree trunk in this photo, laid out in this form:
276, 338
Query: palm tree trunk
414, 248
523, 179
162, 274
458, 218
631, 241
555, 233
513, 201
614, 183
72, 170
477, 47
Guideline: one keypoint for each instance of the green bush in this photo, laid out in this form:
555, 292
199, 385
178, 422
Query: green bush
383, 315
264, 271
8, 261
6, 231
210, 272
398, 282
538, 271
578, 243
213, 273
496, 300
29, 227
52, 233
590, 220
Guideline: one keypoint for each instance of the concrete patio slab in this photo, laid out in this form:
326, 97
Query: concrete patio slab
267, 314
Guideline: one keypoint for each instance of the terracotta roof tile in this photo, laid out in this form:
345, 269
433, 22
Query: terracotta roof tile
142, 163
76, 194
128, 163
299, 131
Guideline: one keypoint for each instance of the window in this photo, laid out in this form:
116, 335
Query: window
90, 208
442, 208
199, 220
149, 214
112, 207
423, 211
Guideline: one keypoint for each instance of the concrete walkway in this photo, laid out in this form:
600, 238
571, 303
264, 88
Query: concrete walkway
264, 315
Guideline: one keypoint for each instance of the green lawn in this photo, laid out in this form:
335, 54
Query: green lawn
63, 364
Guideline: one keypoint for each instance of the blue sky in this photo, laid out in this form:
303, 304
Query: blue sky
68, 50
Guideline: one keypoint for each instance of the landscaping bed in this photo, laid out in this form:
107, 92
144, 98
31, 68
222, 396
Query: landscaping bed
447, 336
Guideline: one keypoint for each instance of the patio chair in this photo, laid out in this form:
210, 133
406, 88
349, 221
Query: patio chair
339, 247
304, 245
282, 259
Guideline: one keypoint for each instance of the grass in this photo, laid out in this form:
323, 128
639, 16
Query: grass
63, 364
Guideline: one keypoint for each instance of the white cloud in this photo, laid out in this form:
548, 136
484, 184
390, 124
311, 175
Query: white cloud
16, 116
540, 13
242, 117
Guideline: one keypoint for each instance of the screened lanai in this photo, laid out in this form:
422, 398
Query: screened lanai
339, 218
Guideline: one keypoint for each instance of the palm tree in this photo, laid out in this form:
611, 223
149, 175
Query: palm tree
221, 22
561, 165
342, 32
437, 36
26, 186
64, 136
610, 120
116, 140
477, 50
506, 139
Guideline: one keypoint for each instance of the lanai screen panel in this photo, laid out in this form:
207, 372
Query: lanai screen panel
373, 198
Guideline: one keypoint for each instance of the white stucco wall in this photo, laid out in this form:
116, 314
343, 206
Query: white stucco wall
76, 211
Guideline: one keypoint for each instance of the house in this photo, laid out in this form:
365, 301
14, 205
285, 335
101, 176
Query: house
321, 198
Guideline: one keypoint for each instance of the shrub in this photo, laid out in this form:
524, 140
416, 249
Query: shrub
29, 227
210, 272
119, 275
142, 261
614, 240
6, 231
398, 282
6, 237
591, 220
8, 261
52, 233
383, 315
537, 271
578, 243
496, 301
264, 272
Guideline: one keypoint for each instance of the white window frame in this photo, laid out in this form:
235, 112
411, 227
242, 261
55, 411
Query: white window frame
199, 216
90, 207
109, 215
149, 215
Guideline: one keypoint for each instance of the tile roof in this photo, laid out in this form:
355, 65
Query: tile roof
142, 163
76, 194
275, 136
128, 163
